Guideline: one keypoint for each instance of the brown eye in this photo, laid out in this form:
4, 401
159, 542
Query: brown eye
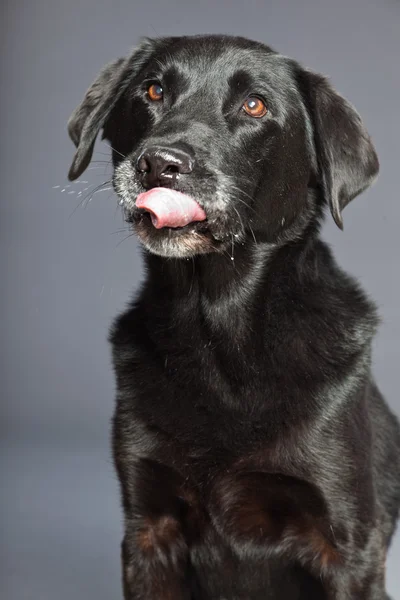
255, 107
155, 92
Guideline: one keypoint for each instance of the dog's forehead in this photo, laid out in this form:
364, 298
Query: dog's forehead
219, 60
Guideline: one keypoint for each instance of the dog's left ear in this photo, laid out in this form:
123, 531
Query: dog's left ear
347, 161
90, 116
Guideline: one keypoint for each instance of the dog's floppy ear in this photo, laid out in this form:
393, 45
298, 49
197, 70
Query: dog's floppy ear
347, 161
88, 118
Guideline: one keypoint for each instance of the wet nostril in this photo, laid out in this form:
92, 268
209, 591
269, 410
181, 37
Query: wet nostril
142, 165
172, 169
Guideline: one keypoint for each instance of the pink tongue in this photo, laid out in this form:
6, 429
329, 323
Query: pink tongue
169, 208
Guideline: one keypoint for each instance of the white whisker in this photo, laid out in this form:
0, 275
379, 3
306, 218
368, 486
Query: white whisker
117, 151
254, 237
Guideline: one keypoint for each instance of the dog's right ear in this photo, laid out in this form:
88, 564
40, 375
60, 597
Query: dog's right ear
89, 117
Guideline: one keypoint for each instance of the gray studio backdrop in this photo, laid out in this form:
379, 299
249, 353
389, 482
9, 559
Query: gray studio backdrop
66, 269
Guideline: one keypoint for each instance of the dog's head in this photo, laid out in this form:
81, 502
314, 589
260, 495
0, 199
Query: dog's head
217, 139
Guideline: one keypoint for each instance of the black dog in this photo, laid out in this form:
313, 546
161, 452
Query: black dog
256, 456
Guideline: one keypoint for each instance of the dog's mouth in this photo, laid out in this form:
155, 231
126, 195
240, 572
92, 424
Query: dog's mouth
171, 223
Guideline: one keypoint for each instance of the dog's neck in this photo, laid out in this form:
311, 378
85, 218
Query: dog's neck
222, 290
230, 316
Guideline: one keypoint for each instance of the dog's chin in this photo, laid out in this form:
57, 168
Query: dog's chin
177, 242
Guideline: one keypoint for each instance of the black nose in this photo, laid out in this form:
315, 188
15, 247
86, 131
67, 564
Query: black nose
162, 166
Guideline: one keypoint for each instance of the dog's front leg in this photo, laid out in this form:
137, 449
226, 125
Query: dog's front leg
154, 549
362, 575
351, 588
269, 514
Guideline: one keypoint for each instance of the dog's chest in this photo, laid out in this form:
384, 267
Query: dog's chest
188, 395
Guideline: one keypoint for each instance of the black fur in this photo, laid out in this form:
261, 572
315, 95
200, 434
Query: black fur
256, 456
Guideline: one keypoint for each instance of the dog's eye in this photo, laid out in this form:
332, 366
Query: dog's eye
155, 92
255, 107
